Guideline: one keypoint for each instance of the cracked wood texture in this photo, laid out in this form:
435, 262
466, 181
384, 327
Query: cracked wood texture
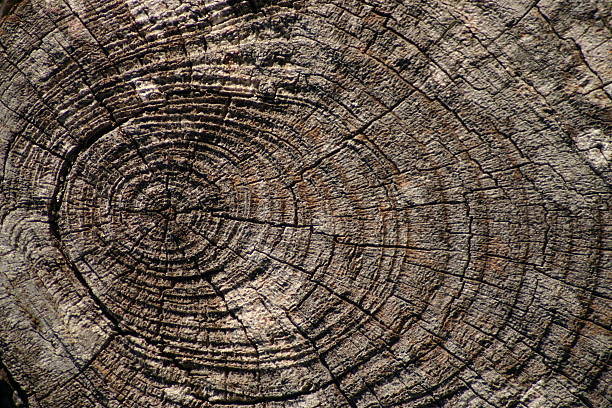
344, 203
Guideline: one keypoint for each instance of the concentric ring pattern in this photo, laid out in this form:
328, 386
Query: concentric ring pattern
302, 204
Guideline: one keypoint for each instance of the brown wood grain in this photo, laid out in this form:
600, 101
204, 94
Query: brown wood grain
305, 204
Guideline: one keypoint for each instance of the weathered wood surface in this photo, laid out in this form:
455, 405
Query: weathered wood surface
306, 204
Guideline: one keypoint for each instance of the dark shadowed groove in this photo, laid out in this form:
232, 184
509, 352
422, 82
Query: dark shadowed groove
12, 386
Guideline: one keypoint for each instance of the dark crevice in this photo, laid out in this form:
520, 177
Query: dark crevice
8, 6
335, 380
11, 393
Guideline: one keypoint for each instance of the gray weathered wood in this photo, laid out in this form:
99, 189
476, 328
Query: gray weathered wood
306, 204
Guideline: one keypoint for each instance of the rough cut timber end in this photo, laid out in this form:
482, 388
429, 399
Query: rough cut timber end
305, 204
